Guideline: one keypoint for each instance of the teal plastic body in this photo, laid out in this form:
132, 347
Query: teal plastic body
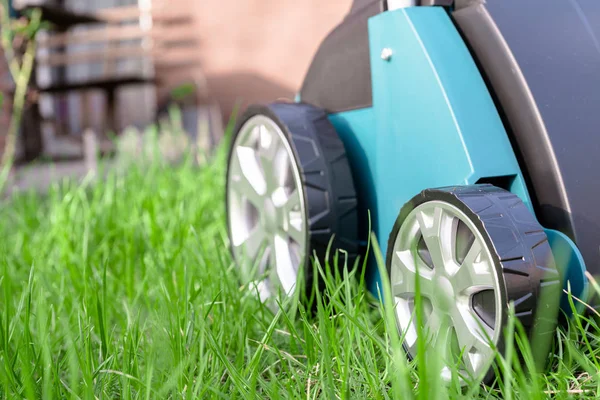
433, 123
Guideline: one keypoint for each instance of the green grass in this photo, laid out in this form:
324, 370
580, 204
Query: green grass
124, 289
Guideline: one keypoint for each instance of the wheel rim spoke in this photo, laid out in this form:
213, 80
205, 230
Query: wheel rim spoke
406, 275
272, 274
282, 169
478, 356
293, 218
269, 145
252, 244
292, 202
247, 178
466, 339
442, 333
273, 159
284, 266
250, 135
433, 326
436, 228
473, 336
260, 287
410, 334
475, 274
295, 234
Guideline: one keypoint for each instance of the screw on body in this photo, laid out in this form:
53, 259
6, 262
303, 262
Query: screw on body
386, 54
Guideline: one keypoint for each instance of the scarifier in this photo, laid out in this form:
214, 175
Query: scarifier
465, 133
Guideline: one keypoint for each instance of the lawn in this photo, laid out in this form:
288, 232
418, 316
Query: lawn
123, 288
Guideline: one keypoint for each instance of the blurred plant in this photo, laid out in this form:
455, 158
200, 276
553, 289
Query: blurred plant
17, 34
183, 91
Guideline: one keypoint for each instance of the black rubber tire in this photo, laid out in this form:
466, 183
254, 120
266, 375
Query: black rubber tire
520, 250
329, 190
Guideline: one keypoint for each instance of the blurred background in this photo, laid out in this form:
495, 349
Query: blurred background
105, 66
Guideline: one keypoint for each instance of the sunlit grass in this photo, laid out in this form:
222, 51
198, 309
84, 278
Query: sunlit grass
124, 288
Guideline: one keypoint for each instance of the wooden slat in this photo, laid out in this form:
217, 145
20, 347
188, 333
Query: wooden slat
118, 14
92, 36
115, 34
116, 53
106, 83
172, 18
64, 18
131, 13
64, 59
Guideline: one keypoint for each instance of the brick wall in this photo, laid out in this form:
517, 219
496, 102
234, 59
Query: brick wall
258, 50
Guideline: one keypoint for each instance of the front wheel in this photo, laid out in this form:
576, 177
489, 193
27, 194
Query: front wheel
472, 250
289, 193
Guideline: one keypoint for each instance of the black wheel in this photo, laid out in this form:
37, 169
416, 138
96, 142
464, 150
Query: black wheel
289, 191
474, 250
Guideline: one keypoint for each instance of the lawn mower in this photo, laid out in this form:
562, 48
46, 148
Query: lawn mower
465, 135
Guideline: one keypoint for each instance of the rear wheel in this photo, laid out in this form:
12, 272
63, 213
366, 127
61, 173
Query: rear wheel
289, 191
473, 250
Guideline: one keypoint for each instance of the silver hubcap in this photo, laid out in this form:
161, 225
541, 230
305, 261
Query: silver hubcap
266, 205
439, 245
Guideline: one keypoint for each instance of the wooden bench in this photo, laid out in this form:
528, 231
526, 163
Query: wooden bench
149, 40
